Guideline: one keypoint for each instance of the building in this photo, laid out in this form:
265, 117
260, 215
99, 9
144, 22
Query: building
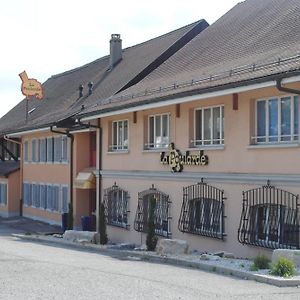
212, 134
59, 154
227, 104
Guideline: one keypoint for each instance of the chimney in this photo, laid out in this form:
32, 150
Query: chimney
115, 50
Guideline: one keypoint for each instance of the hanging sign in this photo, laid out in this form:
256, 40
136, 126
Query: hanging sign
31, 87
175, 159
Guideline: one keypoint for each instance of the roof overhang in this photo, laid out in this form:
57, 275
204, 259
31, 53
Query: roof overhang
201, 96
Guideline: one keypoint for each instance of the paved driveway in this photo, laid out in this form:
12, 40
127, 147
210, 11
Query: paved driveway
40, 271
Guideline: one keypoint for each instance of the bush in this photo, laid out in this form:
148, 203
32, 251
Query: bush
70, 217
151, 240
260, 262
102, 225
283, 267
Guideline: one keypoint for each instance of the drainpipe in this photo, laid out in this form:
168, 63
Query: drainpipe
71, 136
285, 89
21, 170
98, 167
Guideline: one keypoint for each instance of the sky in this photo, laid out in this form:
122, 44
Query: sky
48, 37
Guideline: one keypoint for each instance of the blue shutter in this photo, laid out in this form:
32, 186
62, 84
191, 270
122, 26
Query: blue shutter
65, 199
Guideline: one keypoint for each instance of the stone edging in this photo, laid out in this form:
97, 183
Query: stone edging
152, 257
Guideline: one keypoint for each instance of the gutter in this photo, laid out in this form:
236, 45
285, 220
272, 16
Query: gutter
285, 89
70, 136
190, 96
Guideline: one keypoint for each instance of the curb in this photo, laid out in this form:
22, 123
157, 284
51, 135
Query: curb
146, 256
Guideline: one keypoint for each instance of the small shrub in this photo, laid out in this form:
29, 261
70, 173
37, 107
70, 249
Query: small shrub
283, 267
260, 262
102, 225
151, 240
70, 220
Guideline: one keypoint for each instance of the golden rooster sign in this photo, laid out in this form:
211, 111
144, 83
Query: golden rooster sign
31, 87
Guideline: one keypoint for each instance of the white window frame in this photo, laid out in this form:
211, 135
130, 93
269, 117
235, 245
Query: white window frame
156, 145
210, 142
123, 146
279, 137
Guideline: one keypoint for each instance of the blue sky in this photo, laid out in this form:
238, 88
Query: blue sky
47, 37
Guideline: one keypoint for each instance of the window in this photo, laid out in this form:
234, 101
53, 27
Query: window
27, 194
60, 149
270, 218
158, 131
202, 211
53, 197
162, 226
26, 151
119, 135
50, 150
3, 194
64, 199
209, 126
277, 120
34, 151
43, 149
35, 195
116, 206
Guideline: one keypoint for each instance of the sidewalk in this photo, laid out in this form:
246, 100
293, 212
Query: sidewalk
232, 267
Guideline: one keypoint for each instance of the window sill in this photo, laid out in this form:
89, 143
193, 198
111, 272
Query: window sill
155, 150
207, 147
272, 146
118, 152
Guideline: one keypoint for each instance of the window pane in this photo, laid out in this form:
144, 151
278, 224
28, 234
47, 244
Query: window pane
114, 134
125, 137
120, 134
158, 140
222, 124
165, 130
216, 125
207, 126
286, 119
151, 131
261, 121
50, 149
198, 129
296, 117
26, 151
273, 120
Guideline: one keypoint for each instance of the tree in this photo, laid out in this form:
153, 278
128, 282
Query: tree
70, 217
151, 240
102, 225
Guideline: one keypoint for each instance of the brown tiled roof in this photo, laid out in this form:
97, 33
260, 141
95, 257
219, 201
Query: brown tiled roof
61, 91
252, 42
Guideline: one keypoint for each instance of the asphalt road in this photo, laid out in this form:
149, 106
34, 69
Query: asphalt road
39, 271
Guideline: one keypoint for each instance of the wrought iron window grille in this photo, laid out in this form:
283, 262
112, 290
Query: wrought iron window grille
202, 211
162, 209
270, 218
116, 202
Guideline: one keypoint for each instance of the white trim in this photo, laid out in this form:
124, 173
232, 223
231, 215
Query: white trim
232, 178
26, 132
225, 92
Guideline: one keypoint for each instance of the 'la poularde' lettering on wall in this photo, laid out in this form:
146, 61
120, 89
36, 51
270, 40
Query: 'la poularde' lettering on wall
175, 159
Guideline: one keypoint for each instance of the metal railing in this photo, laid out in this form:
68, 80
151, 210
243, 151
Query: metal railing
270, 218
161, 213
202, 211
213, 77
115, 202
